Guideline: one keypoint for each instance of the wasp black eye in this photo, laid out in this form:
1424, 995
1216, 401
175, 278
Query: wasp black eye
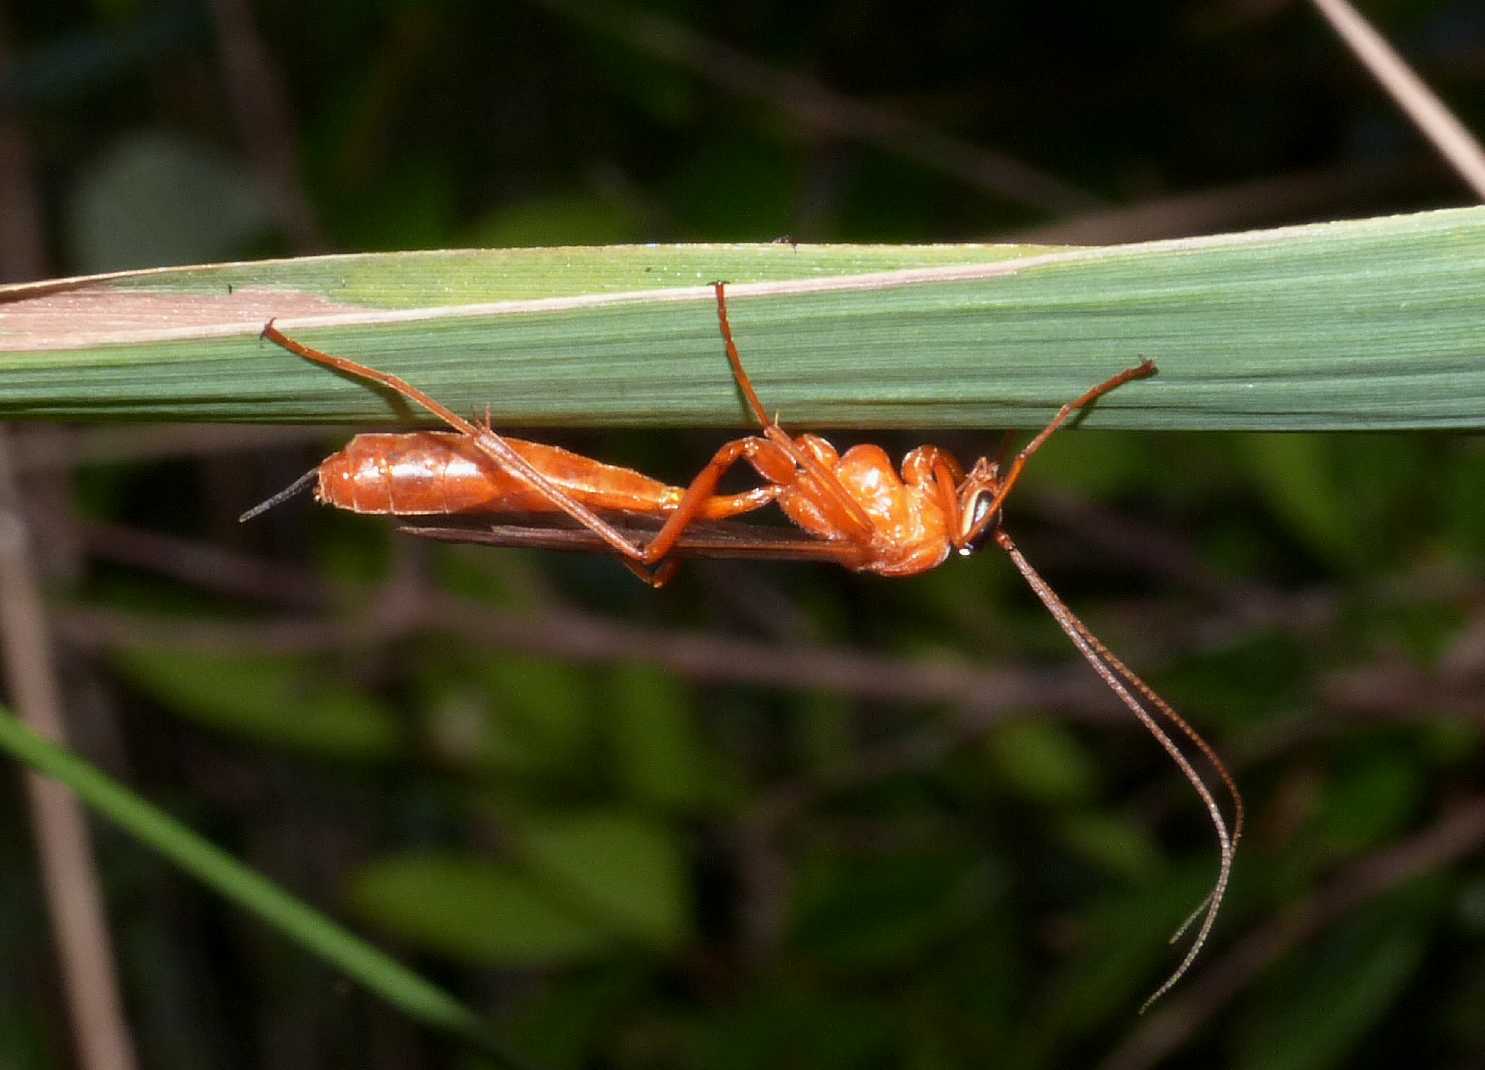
975, 516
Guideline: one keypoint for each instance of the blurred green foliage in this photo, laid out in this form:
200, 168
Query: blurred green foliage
586, 885
597, 835
270, 700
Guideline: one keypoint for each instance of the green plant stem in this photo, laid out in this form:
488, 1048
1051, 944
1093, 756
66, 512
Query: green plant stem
303, 924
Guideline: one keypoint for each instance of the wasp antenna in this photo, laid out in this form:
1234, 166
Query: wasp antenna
284, 495
1239, 817
1115, 674
1185, 926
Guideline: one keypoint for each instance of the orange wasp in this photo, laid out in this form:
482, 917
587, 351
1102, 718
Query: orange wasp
853, 508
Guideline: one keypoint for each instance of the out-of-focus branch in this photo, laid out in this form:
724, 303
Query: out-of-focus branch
1397, 685
1265, 201
73, 896
563, 633
1158, 552
22, 248
820, 108
1420, 103
978, 696
256, 92
979, 699
1460, 832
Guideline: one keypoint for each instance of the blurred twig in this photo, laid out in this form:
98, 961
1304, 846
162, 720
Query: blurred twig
1321, 194
256, 91
1396, 684
820, 108
1421, 104
251, 890
62, 841
22, 247
564, 633
74, 897
1158, 552
979, 698
1458, 833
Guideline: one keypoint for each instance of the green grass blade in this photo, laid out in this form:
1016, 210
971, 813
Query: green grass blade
1357, 325
303, 924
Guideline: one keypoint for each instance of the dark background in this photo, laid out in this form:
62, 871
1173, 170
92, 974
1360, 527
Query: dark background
733, 840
